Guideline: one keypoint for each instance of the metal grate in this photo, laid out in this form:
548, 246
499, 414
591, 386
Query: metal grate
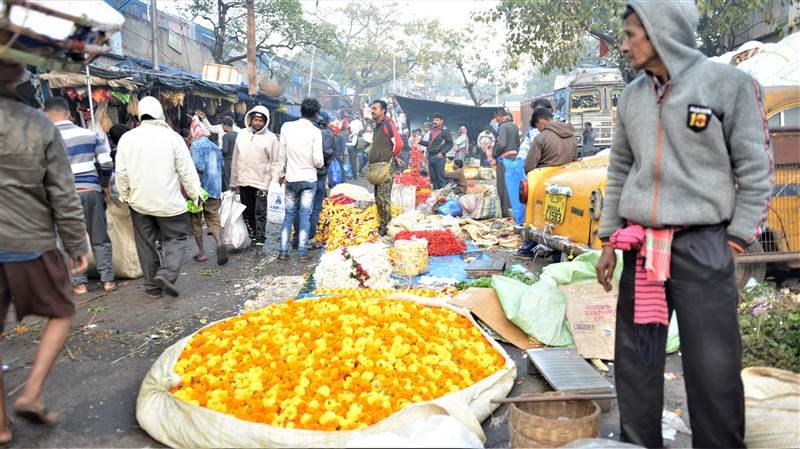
565, 370
782, 230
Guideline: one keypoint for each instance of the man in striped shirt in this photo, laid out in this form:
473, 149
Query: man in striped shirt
86, 151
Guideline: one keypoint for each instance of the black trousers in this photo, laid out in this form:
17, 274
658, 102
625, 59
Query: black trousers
702, 292
255, 214
173, 233
352, 154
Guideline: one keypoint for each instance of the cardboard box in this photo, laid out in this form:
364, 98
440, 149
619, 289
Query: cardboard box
592, 314
484, 304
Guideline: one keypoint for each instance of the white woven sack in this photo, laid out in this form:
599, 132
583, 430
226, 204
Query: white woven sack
176, 423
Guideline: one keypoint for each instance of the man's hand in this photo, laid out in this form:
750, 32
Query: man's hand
605, 267
200, 114
107, 194
198, 201
282, 180
79, 264
440, 156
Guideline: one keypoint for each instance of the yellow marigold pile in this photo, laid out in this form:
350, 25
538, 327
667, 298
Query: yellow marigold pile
334, 363
374, 293
343, 225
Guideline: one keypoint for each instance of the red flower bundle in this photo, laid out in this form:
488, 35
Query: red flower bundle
440, 243
413, 178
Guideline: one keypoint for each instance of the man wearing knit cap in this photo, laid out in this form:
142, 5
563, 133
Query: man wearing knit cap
254, 167
689, 183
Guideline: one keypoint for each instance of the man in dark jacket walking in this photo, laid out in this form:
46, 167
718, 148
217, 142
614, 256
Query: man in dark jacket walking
438, 144
328, 150
689, 184
506, 146
555, 145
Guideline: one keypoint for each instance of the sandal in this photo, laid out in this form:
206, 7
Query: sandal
80, 289
110, 286
36, 415
199, 258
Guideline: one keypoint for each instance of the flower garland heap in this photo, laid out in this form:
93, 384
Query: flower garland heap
412, 177
440, 243
365, 265
333, 363
344, 225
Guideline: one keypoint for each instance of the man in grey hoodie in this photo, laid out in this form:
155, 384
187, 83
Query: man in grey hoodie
691, 156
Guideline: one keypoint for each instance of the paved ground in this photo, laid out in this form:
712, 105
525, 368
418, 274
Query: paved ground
116, 337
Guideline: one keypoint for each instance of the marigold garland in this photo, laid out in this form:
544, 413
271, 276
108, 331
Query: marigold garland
344, 225
333, 363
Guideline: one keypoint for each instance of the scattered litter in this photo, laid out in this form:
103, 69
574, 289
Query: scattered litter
435, 280
6, 368
154, 336
91, 326
600, 365
671, 423
670, 376
203, 321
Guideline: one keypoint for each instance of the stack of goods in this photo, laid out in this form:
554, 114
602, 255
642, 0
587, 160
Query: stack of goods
362, 266
409, 257
332, 363
412, 177
440, 243
343, 225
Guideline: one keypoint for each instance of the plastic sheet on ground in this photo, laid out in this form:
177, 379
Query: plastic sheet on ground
540, 309
176, 423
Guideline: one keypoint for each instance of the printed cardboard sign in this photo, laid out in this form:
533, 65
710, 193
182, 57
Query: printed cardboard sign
591, 314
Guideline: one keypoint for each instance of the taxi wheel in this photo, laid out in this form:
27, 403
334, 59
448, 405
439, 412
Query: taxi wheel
756, 271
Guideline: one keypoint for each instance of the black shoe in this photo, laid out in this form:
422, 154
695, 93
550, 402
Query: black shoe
166, 286
154, 293
283, 257
305, 258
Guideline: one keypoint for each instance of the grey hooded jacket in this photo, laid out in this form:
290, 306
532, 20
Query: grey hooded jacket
37, 187
698, 155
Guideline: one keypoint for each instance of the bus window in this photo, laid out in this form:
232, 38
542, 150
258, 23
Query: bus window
587, 101
615, 94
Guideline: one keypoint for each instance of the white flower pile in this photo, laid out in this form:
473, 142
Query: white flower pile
334, 271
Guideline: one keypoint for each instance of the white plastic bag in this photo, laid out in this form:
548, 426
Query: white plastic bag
404, 197
276, 203
234, 234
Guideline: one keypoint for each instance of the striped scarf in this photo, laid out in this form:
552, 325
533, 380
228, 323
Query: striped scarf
650, 308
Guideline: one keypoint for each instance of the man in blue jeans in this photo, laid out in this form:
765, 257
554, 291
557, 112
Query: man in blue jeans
438, 143
300, 157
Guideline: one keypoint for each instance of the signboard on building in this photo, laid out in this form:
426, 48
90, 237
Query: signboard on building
218, 73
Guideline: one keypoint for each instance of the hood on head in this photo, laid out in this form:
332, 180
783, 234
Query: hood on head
152, 107
563, 130
671, 27
261, 110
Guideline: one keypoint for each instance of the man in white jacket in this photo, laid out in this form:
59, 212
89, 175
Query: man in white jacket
152, 164
255, 163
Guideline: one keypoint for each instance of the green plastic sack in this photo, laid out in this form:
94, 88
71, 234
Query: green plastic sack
540, 310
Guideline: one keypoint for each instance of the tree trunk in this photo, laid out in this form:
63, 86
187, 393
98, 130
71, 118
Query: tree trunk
470, 86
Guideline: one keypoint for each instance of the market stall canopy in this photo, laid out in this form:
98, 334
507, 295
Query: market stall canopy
417, 111
58, 80
771, 64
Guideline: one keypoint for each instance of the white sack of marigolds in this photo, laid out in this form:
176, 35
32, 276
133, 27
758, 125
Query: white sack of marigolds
324, 372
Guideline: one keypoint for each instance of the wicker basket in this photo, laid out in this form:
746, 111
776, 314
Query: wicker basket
552, 424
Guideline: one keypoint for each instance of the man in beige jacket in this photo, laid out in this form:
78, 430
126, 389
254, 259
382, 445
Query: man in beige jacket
152, 165
255, 162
